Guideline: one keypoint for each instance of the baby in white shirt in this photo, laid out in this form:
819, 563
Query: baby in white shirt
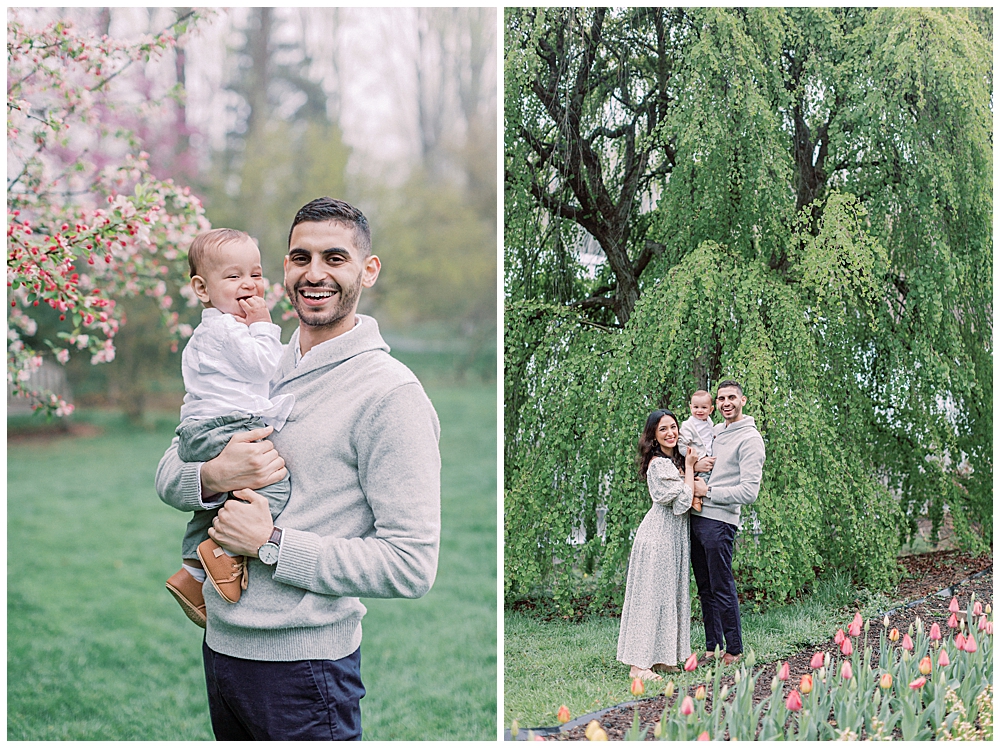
698, 432
227, 367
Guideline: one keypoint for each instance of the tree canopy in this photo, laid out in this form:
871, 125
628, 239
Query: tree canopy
797, 198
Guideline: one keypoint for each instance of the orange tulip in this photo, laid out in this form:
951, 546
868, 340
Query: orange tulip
894, 635
885, 681
638, 687
806, 684
563, 714
925, 666
700, 693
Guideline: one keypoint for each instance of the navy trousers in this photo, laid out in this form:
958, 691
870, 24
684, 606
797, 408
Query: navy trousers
303, 700
712, 562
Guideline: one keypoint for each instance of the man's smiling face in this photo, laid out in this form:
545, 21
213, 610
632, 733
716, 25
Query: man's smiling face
324, 273
729, 402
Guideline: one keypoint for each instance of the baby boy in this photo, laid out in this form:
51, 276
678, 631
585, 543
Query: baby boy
227, 367
698, 432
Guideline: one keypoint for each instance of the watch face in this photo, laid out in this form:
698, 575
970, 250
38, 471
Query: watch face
268, 553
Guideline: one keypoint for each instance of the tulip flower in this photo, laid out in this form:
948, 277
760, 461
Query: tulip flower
855, 628
793, 703
925, 666
846, 647
704, 736
885, 621
806, 684
592, 726
918, 683
687, 706
724, 692
943, 660
845, 671
970, 645
953, 621
563, 714
839, 636
907, 643
668, 692
638, 687
826, 659
953, 605
988, 609
817, 661
988, 628
894, 635
539, 737
657, 730
691, 663
935, 633
982, 623
599, 735
885, 681
960, 641
784, 673
513, 728
700, 693
977, 608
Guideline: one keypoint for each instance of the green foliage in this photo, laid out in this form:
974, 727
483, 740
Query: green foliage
813, 219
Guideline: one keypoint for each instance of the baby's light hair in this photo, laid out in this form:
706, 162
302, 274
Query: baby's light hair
208, 241
698, 393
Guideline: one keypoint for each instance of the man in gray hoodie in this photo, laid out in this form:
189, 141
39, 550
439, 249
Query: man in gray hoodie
363, 517
735, 481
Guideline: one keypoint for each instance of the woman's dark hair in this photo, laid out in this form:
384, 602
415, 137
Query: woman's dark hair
650, 448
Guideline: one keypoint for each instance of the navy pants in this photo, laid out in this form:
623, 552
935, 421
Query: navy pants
712, 562
304, 700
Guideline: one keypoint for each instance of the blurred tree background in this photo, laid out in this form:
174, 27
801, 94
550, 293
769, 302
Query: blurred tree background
262, 109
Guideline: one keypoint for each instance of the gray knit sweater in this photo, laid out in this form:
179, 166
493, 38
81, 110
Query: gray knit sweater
363, 518
736, 476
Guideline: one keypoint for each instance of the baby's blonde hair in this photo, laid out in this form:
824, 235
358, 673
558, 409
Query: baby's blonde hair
204, 243
698, 393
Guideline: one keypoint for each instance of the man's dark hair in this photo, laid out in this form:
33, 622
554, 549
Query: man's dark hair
328, 209
728, 383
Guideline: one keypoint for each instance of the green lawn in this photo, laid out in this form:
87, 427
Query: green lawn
550, 663
98, 650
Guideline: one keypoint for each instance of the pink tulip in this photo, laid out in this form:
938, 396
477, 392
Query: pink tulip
953, 605
943, 660
839, 636
935, 633
793, 703
784, 673
982, 623
953, 621
988, 628
977, 608
855, 628
907, 643
918, 683
687, 706
846, 647
817, 661
885, 681
970, 645
960, 641
704, 736
691, 663
845, 671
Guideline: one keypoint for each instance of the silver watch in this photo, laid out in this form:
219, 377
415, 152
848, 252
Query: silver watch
268, 553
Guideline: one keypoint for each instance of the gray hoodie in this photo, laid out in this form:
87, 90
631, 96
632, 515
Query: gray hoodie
736, 476
363, 517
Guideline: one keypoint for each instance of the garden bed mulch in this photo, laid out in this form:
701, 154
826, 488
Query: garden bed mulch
925, 592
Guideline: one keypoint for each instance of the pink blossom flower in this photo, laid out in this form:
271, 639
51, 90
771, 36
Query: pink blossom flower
855, 628
970, 644
885, 682
846, 648
839, 636
988, 628
794, 702
704, 736
960, 641
953, 605
845, 671
687, 706
935, 633
907, 643
977, 608
918, 683
784, 672
953, 621
817, 661
691, 663
943, 660
982, 623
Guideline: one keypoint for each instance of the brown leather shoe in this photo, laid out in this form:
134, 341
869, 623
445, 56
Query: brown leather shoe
187, 591
728, 659
228, 574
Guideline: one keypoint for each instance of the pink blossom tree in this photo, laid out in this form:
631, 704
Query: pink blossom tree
87, 221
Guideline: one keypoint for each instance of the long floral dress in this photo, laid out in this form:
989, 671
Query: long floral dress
656, 617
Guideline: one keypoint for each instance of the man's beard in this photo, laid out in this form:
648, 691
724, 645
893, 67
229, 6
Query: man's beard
346, 301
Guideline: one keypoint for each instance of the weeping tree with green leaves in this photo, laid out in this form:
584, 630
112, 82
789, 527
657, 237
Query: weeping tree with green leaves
797, 198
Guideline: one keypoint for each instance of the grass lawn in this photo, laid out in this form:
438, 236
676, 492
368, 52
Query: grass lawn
550, 663
98, 650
